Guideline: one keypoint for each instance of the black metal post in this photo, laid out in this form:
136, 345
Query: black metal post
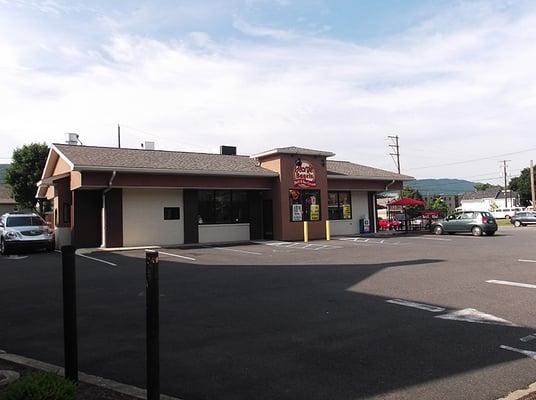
152, 307
70, 331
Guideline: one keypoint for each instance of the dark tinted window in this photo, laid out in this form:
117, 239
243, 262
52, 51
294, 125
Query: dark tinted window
172, 213
223, 206
24, 221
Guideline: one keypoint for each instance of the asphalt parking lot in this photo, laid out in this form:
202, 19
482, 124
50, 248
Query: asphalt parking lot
393, 318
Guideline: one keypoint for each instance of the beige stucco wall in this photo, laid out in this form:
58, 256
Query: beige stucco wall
220, 233
359, 211
143, 217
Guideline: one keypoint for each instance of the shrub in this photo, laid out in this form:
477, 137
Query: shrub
40, 386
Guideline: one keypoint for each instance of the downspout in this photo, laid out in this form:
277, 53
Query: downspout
103, 244
388, 210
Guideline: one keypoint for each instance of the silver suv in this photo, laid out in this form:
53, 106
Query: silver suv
23, 231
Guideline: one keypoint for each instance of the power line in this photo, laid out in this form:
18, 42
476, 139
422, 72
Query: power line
473, 160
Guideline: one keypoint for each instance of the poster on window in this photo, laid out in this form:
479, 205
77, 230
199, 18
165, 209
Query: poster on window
346, 211
297, 212
315, 212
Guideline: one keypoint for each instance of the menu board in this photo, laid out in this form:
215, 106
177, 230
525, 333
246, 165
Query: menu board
315, 212
297, 212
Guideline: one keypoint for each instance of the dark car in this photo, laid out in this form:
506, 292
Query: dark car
475, 222
523, 218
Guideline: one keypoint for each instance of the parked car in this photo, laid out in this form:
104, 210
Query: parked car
506, 212
523, 219
24, 231
476, 222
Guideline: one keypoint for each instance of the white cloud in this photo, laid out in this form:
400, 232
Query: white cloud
451, 90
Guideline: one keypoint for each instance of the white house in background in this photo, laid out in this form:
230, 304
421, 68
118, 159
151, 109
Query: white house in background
488, 200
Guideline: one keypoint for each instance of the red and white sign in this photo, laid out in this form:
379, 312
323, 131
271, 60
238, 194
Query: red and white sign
304, 175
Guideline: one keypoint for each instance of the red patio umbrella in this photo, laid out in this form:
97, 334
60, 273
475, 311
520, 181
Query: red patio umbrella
406, 201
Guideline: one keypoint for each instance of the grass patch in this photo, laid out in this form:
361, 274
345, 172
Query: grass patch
40, 386
503, 222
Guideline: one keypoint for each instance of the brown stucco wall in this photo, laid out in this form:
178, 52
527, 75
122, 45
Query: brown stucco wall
86, 221
114, 218
127, 179
284, 229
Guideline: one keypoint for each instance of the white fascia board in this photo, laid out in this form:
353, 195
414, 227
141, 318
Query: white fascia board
174, 171
63, 156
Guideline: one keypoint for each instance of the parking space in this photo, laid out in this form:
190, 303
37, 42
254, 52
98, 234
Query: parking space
427, 316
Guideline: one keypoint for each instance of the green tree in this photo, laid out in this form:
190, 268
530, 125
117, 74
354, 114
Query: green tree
25, 171
482, 186
409, 192
437, 204
412, 193
521, 184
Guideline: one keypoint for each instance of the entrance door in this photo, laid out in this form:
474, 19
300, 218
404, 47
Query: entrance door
267, 219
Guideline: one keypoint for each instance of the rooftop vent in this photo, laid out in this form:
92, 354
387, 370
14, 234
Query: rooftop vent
228, 150
148, 145
72, 138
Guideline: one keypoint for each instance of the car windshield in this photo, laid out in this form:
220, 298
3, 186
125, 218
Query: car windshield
24, 220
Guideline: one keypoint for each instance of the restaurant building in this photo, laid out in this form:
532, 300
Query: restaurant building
119, 197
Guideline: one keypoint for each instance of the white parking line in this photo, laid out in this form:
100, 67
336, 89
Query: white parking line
529, 261
238, 251
517, 284
420, 306
97, 259
530, 354
430, 238
92, 258
177, 255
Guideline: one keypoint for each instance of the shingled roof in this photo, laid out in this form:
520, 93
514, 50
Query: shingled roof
5, 198
491, 193
342, 169
96, 158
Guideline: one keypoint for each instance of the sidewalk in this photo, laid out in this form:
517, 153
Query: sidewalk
90, 387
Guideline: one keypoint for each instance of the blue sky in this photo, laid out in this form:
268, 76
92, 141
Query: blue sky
454, 79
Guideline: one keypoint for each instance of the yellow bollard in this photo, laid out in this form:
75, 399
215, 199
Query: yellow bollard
305, 231
328, 230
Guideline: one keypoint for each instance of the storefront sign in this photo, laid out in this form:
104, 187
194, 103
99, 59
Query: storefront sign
315, 212
297, 212
346, 211
304, 175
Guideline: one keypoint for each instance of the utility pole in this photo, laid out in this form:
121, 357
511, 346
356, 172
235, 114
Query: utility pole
505, 176
396, 148
118, 136
532, 191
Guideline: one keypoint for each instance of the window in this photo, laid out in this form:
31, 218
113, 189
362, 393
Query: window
304, 205
339, 205
172, 213
223, 206
66, 212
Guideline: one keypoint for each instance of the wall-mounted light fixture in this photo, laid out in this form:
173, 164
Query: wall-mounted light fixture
298, 162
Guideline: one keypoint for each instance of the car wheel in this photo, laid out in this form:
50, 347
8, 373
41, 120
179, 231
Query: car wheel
476, 231
3, 247
438, 230
507, 216
517, 224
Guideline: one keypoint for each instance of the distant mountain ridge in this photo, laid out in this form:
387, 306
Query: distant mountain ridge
441, 186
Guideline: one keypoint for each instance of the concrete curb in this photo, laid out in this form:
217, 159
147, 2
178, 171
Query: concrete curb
521, 394
104, 383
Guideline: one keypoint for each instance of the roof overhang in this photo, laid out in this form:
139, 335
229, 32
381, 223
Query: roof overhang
301, 152
92, 168
371, 178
